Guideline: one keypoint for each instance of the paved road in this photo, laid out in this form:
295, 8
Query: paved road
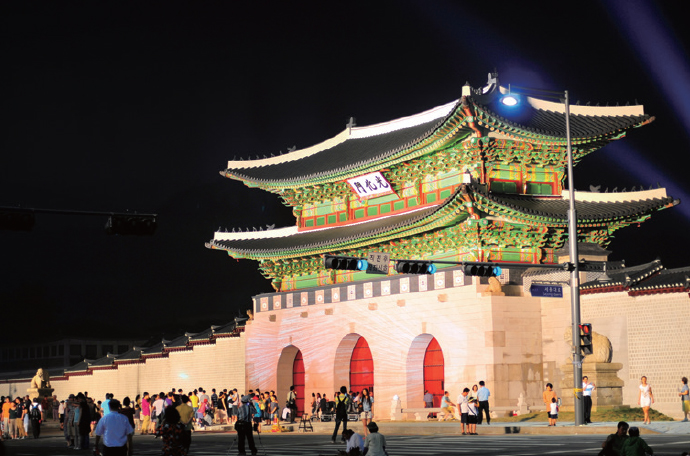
408, 445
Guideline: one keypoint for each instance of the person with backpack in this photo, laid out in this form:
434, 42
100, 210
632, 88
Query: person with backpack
342, 403
292, 403
243, 426
35, 414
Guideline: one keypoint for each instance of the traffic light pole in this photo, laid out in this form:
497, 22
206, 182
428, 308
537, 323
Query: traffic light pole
17, 218
574, 279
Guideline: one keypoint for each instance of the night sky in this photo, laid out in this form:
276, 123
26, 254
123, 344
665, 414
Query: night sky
114, 106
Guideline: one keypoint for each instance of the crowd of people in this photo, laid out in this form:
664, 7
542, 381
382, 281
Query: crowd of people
19, 416
471, 407
172, 416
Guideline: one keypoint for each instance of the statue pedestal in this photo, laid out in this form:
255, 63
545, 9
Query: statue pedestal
609, 390
396, 409
39, 393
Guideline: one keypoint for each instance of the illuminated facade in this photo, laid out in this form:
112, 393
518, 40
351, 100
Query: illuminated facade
467, 181
464, 181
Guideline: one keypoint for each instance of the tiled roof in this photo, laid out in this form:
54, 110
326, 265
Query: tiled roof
549, 123
624, 277
156, 349
105, 361
544, 210
315, 239
626, 206
668, 279
130, 355
229, 328
350, 154
79, 367
178, 342
203, 336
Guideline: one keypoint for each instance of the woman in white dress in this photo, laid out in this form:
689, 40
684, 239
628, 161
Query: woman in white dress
646, 399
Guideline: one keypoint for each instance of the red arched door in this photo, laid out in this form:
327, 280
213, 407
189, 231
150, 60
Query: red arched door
433, 371
298, 381
361, 367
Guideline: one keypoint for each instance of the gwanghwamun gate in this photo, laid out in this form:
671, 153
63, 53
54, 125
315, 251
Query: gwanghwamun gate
465, 181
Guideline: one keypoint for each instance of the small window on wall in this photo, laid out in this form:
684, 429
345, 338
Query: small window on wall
503, 187
538, 188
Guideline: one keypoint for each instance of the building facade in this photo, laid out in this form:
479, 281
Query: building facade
465, 181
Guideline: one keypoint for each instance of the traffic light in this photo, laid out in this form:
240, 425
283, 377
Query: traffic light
482, 270
415, 267
17, 219
586, 339
345, 263
137, 225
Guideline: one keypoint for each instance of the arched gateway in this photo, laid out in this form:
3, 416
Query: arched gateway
354, 365
425, 370
290, 372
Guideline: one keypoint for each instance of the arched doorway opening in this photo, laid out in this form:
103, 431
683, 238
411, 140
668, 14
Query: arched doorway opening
434, 381
290, 372
425, 370
361, 367
298, 382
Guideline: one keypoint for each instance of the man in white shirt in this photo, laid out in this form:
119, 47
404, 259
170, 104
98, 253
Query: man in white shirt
116, 432
463, 405
587, 388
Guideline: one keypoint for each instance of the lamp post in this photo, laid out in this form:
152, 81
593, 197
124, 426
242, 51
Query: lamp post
509, 100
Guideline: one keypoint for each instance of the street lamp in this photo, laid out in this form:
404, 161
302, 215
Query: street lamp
511, 99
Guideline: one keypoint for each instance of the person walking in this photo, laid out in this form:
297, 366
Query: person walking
645, 399
587, 389
342, 403
483, 397
367, 406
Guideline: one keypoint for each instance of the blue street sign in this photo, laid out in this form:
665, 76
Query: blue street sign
546, 291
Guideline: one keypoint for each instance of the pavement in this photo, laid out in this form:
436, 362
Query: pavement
453, 428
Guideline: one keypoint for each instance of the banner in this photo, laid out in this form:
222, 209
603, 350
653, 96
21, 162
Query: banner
370, 185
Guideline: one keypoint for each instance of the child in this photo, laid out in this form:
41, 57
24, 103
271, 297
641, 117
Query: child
472, 417
635, 444
274, 410
553, 416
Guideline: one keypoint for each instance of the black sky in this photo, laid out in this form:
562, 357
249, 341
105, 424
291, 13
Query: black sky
114, 106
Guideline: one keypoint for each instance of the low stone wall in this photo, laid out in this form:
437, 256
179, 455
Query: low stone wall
215, 365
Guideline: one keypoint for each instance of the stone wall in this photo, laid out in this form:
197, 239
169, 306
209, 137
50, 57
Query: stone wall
219, 365
491, 338
515, 343
649, 337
